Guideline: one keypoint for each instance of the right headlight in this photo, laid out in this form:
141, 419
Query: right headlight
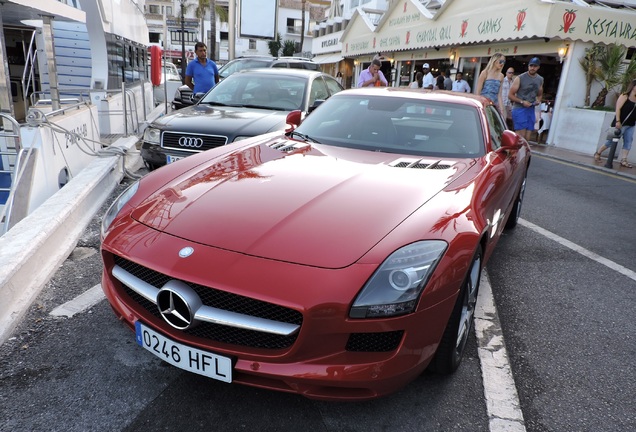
152, 135
395, 287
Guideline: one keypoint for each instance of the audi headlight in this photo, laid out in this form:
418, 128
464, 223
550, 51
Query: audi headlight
395, 287
240, 138
117, 205
152, 135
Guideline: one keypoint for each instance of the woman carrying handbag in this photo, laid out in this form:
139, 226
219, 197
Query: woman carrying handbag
625, 120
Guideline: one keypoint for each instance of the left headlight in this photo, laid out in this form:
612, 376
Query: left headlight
395, 287
152, 135
117, 205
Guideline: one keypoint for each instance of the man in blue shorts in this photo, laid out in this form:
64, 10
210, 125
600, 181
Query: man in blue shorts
525, 93
202, 69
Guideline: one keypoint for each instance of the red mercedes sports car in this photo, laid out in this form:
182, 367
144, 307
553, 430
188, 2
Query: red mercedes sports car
337, 259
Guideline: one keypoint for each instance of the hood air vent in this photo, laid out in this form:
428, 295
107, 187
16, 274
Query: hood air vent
286, 147
418, 164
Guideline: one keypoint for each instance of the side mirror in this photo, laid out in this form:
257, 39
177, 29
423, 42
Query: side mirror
510, 139
196, 97
293, 120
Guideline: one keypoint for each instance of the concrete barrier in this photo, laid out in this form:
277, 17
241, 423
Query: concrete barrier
32, 251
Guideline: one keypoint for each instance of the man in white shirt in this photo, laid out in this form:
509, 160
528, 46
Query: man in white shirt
505, 89
429, 80
460, 85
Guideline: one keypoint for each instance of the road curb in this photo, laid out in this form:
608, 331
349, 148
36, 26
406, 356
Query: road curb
32, 251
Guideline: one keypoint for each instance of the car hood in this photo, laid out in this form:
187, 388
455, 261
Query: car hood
307, 206
228, 121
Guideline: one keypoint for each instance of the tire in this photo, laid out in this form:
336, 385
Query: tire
513, 219
150, 166
453, 343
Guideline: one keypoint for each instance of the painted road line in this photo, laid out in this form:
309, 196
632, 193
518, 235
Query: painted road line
502, 400
585, 252
80, 303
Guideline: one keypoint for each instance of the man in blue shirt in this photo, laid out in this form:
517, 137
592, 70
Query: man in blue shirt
202, 69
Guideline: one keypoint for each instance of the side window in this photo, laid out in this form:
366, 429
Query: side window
296, 65
280, 65
311, 66
318, 91
332, 85
495, 125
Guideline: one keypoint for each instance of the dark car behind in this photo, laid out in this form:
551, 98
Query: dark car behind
247, 103
183, 96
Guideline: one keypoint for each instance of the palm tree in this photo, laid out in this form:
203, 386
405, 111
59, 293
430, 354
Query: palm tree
201, 10
589, 65
609, 71
629, 75
302, 30
289, 48
274, 46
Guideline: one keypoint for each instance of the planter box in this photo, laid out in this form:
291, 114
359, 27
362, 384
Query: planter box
582, 130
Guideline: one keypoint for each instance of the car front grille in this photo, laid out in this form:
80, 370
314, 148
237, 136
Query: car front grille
221, 300
191, 142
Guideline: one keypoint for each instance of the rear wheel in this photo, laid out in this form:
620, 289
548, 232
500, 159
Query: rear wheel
451, 348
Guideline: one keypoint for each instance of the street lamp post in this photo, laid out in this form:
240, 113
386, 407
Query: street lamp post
183, 54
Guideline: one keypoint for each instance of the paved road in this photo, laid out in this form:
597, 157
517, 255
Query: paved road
565, 317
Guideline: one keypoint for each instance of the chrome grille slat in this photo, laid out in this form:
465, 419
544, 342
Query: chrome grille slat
214, 298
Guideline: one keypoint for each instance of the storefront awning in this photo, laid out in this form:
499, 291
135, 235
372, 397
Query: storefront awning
328, 58
406, 26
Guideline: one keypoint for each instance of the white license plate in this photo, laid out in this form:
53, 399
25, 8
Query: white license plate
183, 356
171, 158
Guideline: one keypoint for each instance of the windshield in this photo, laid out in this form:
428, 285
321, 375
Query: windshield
396, 125
277, 92
241, 64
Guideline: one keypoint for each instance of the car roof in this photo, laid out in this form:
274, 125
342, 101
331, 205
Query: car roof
283, 71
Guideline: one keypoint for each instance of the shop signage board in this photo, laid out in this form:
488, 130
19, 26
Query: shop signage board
409, 26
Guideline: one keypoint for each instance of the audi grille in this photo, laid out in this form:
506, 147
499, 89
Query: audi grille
191, 142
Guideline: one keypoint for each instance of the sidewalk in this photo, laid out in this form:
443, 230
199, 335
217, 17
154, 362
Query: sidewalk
582, 159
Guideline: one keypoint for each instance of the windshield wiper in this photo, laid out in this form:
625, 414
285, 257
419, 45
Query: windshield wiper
215, 103
303, 137
257, 107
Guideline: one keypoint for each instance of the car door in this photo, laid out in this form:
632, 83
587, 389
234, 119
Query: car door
505, 169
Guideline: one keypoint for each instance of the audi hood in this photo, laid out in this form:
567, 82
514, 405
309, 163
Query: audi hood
205, 119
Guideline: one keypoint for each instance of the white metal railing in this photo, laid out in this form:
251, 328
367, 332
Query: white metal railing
10, 148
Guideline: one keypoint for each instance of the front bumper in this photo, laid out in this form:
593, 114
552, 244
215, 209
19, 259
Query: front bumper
332, 357
156, 156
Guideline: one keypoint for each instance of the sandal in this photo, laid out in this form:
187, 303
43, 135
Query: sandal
597, 156
626, 164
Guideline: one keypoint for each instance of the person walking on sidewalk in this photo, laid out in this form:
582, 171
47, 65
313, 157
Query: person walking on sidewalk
490, 80
525, 93
625, 120
505, 89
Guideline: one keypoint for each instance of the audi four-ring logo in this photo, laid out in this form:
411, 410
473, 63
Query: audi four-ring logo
192, 142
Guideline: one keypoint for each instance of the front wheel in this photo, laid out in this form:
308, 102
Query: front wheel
513, 219
451, 348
